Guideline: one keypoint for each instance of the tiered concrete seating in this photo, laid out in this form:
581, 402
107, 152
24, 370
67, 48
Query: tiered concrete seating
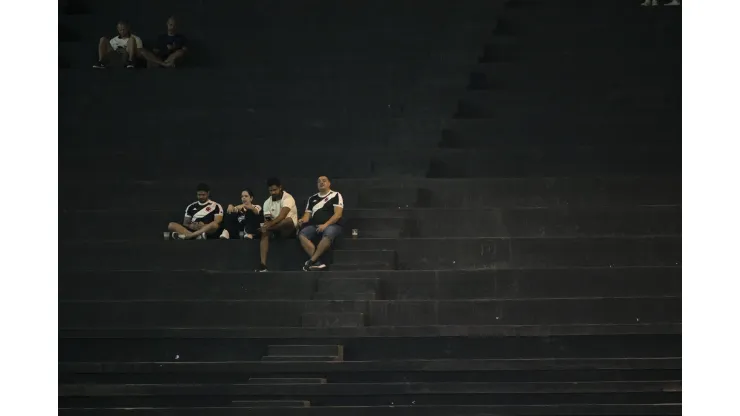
513, 169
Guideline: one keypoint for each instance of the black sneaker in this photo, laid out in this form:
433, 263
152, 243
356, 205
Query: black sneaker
130, 65
261, 269
99, 65
307, 265
317, 265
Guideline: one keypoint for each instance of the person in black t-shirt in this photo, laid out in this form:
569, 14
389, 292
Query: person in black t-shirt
202, 217
322, 218
243, 217
170, 47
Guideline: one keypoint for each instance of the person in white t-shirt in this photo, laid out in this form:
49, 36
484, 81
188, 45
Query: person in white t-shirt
281, 218
125, 47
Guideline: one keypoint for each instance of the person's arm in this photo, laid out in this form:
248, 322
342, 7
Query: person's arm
283, 213
306, 214
218, 215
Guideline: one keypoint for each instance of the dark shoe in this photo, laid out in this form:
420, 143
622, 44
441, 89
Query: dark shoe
307, 265
130, 65
261, 269
99, 65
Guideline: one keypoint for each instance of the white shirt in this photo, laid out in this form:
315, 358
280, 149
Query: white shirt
273, 208
119, 42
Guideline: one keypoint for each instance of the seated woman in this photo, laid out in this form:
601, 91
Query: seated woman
245, 217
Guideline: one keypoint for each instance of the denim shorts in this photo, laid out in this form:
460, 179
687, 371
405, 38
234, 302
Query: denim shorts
331, 232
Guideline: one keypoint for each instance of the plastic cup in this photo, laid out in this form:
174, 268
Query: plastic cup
355, 233
166, 235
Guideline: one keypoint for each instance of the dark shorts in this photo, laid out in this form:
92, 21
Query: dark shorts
331, 232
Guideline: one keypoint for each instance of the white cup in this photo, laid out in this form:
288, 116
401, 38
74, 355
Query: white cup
355, 233
166, 235
241, 234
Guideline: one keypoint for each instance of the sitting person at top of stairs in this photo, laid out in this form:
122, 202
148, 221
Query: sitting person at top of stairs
123, 49
170, 47
281, 218
202, 217
322, 218
245, 217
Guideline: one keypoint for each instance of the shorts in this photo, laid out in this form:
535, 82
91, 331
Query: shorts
331, 232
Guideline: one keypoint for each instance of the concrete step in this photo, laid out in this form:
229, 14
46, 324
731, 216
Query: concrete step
395, 192
566, 77
562, 161
522, 161
315, 313
413, 222
406, 409
278, 404
492, 133
293, 163
367, 368
410, 253
193, 346
620, 104
348, 285
287, 350
390, 285
345, 296
277, 380
333, 319
299, 359
422, 391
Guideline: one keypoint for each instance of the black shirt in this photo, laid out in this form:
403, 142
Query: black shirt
203, 212
177, 41
322, 207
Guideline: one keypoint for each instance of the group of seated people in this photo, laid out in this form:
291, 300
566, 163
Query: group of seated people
277, 217
127, 48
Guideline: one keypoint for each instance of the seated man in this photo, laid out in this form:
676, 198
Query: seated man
171, 47
245, 217
120, 49
281, 218
202, 217
321, 219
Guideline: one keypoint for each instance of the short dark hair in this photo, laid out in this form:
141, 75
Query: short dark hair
249, 191
203, 187
273, 181
124, 22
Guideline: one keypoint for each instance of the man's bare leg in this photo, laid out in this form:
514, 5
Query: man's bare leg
178, 228
307, 245
132, 50
264, 247
104, 48
150, 57
174, 57
324, 245
208, 228
285, 227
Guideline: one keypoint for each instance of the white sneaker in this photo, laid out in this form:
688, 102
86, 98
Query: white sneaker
177, 236
648, 3
201, 237
673, 3
225, 235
